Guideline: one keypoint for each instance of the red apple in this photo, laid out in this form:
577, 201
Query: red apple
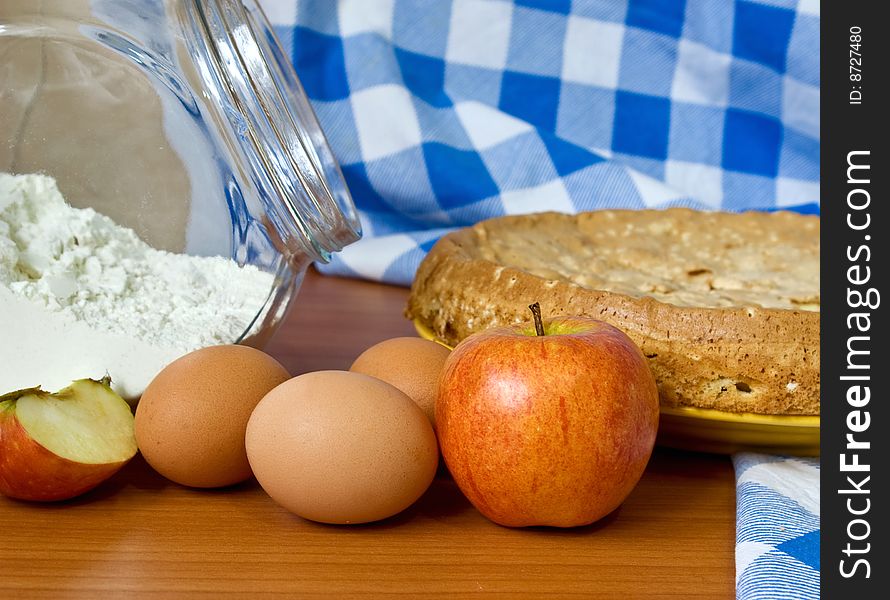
57, 446
549, 423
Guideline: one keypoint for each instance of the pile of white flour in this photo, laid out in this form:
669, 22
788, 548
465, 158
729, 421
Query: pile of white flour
81, 296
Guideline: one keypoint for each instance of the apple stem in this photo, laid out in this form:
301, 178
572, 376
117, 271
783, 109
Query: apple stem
539, 323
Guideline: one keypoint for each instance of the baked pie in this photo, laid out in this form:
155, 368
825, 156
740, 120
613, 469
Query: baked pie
724, 305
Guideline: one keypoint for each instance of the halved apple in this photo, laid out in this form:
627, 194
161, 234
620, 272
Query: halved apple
55, 446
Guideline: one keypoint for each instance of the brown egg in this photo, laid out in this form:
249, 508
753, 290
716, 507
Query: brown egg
190, 422
411, 364
341, 447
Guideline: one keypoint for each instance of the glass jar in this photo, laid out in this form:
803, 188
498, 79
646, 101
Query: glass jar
181, 120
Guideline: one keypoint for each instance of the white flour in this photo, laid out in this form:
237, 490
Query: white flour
81, 296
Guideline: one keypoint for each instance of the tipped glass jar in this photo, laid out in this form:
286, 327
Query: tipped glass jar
197, 185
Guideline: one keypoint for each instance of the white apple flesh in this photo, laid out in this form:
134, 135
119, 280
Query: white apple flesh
55, 446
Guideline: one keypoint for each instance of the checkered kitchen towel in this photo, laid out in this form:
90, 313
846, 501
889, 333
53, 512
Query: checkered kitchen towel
445, 112
777, 530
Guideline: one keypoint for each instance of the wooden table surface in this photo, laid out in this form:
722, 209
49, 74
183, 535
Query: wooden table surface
139, 535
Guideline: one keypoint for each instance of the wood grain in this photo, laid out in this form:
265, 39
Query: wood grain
140, 536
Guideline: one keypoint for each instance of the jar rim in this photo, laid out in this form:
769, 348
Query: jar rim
268, 112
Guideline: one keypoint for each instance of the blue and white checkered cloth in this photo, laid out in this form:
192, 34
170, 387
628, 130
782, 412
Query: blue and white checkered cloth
447, 112
777, 529
443, 113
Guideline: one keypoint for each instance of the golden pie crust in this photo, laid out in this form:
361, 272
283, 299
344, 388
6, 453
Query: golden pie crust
724, 305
